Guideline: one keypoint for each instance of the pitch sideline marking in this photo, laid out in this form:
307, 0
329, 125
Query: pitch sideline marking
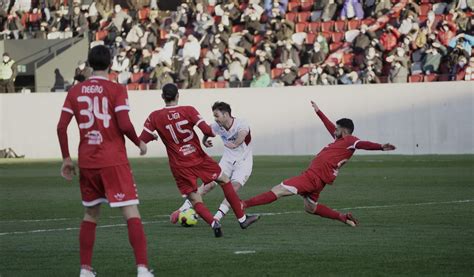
244, 252
265, 214
75, 228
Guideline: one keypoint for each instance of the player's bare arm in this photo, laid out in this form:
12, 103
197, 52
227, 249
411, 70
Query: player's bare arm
206, 141
68, 170
239, 140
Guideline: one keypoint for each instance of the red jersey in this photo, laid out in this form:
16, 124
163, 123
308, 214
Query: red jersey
174, 125
328, 161
94, 104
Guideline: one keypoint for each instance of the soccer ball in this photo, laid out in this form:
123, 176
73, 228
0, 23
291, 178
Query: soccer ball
188, 218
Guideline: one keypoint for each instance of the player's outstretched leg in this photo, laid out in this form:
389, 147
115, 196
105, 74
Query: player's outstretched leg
87, 239
224, 207
268, 197
234, 201
137, 239
324, 211
202, 190
204, 213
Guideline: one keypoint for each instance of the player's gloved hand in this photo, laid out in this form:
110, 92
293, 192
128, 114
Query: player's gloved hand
207, 143
68, 169
143, 148
388, 147
315, 107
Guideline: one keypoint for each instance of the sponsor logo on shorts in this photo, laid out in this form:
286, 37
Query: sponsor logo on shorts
119, 196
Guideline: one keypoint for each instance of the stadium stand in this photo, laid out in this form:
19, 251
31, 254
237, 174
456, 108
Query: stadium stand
344, 41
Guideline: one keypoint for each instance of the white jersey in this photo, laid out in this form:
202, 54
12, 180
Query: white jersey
244, 150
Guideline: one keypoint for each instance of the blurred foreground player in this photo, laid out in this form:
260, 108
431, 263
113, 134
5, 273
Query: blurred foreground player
322, 170
101, 111
187, 160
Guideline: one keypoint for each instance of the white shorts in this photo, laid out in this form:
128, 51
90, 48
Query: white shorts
237, 171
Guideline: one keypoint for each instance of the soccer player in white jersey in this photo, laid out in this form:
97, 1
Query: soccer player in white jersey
237, 160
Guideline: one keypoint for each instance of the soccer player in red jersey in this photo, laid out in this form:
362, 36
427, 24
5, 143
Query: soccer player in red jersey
322, 170
101, 111
187, 160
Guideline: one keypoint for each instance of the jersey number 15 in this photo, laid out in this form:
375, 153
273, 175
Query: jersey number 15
180, 130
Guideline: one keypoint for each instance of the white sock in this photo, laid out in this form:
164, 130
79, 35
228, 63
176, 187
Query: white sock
142, 269
242, 219
221, 212
186, 205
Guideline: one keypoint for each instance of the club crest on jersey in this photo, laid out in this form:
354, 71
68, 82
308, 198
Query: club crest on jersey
95, 137
173, 116
119, 196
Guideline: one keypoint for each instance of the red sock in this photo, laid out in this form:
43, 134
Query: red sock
203, 212
86, 242
261, 199
233, 198
137, 239
327, 212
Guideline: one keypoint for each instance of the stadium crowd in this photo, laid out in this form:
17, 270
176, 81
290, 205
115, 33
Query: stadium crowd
229, 43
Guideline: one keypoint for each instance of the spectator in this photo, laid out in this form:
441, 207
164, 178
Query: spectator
251, 18
329, 11
209, 70
193, 78
459, 69
352, 9
290, 51
446, 32
280, 5
317, 9
7, 74
121, 65
261, 79
79, 23
383, 7
161, 75
314, 56
362, 41
398, 73
350, 78
464, 41
82, 72
389, 38
432, 57
13, 25
470, 70
290, 73
191, 49
119, 18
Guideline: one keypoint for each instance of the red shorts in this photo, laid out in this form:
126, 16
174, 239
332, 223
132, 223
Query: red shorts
306, 185
186, 177
112, 184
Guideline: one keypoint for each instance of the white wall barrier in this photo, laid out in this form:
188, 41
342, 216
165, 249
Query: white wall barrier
421, 118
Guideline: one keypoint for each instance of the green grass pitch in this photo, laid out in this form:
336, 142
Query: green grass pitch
415, 212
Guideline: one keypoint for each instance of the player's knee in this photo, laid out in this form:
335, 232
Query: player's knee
92, 213
308, 208
130, 212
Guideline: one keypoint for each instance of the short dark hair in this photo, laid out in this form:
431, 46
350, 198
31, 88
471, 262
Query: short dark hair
99, 57
169, 92
346, 123
222, 107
